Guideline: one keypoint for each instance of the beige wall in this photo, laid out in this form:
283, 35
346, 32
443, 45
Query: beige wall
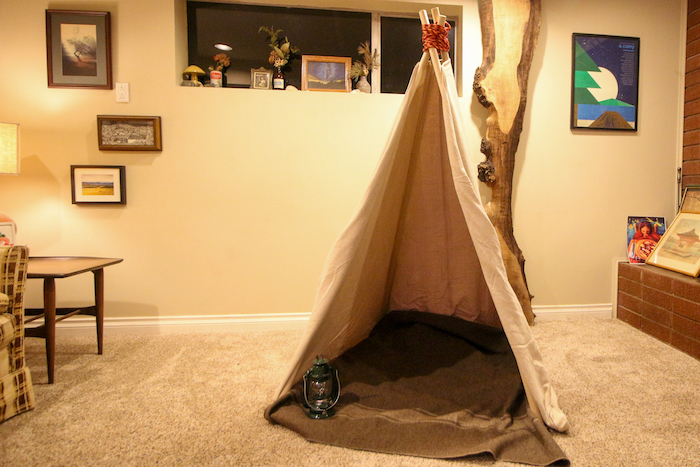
237, 213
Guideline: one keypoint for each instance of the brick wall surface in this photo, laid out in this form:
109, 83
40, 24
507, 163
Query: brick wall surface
664, 304
691, 113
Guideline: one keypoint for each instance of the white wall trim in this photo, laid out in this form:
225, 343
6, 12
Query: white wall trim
559, 312
85, 326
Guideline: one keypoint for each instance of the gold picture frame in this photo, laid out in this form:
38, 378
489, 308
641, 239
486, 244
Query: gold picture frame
323, 73
679, 248
691, 199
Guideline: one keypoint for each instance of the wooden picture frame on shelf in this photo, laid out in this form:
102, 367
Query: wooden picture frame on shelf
98, 184
260, 78
128, 133
691, 199
79, 49
322, 73
679, 248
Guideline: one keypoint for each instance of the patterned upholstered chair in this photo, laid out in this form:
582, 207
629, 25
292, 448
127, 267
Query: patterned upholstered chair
16, 391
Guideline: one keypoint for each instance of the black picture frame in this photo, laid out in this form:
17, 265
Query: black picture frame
98, 184
89, 35
604, 82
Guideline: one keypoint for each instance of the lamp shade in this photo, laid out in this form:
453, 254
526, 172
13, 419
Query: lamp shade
9, 148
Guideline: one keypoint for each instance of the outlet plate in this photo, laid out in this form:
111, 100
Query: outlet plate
122, 92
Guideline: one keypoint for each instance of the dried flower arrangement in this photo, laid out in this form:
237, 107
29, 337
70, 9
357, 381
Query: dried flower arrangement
369, 61
282, 51
222, 62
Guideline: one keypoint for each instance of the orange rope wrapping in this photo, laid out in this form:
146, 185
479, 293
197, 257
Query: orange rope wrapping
435, 37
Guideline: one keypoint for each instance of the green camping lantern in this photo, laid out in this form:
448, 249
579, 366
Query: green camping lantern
321, 389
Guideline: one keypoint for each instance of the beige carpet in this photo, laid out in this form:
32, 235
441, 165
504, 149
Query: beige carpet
198, 399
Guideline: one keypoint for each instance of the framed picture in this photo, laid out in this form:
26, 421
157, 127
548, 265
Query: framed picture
604, 82
319, 73
260, 78
643, 233
122, 133
679, 248
691, 199
7, 233
98, 184
79, 49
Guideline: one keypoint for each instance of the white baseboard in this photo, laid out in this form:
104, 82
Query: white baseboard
559, 312
85, 326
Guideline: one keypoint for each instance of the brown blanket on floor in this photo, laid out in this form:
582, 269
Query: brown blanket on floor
431, 386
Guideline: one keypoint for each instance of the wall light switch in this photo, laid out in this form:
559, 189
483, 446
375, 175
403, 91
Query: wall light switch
122, 92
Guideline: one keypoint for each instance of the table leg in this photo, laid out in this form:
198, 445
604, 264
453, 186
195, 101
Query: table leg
50, 324
99, 306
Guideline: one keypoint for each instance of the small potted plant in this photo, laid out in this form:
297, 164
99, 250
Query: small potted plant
360, 68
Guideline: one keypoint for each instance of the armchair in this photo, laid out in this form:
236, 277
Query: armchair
16, 390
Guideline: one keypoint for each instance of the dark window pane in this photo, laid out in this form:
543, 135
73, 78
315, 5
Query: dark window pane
314, 32
402, 48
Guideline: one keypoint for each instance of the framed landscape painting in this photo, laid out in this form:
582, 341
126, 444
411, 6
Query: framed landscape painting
679, 248
98, 184
604, 82
79, 49
320, 73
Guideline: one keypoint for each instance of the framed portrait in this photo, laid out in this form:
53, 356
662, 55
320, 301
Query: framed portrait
679, 248
79, 49
643, 233
690, 202
260, 78
98, 184
125, 133
604, 82
7, 233
319, 73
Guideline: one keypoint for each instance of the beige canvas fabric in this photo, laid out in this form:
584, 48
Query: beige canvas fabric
421, 240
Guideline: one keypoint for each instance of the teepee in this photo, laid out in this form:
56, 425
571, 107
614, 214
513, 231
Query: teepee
414, 308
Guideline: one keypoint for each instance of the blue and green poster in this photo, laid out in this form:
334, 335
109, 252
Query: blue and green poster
605, 82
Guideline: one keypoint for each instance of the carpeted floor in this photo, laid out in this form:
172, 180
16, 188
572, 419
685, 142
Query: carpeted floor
198, 399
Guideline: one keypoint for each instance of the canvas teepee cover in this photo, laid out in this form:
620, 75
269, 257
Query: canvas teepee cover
414, 308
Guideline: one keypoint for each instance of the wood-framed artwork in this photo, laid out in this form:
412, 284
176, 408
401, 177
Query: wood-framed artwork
604, 82
679, 248
79, 49
98, 184
321, 73
691, 199
643, 233
128, 133
260, 78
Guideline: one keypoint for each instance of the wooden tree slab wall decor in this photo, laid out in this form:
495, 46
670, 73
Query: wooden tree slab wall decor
509, 32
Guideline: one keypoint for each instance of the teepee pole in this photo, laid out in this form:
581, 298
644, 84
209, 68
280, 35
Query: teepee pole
434, 57
440, 20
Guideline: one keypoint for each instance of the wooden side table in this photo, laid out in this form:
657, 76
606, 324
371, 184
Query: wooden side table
50, 268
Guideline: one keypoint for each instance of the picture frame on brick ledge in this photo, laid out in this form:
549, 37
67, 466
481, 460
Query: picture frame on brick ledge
679, 248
